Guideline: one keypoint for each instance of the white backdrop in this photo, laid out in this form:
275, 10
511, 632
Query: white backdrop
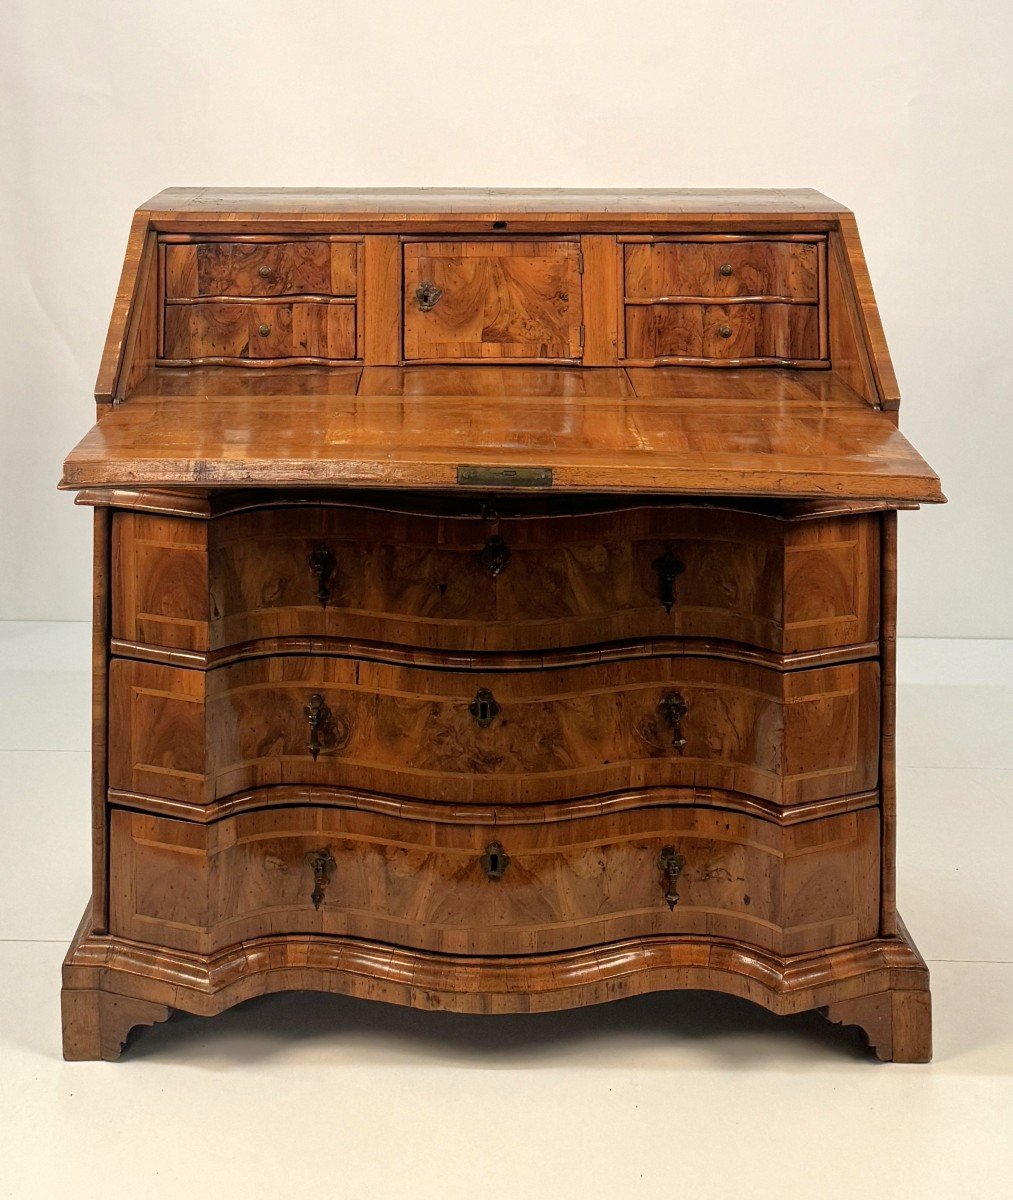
900, 110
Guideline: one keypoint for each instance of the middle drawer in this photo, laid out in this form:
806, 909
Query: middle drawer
511, 737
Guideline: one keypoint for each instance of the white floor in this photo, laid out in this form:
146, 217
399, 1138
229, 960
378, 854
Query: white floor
681, 1096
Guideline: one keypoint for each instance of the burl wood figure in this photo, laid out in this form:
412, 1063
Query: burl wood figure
495, 602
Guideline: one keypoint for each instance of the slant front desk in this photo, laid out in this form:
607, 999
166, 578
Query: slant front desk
495, 602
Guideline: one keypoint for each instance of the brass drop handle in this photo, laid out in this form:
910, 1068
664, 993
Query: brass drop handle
670, 864
494, 555
669, 569
484, 708
317, 714
495, 861
322, 564
725, 269
264, 330
725, 331
427, 295
322, 864
673, 709
265, 272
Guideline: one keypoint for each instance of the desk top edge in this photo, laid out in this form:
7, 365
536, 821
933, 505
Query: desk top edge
398, 204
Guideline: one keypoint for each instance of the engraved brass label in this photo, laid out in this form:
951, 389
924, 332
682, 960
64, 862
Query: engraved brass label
504, 476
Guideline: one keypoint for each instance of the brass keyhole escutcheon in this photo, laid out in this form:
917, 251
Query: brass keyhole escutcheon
495, 861
322, 864
427, 296
317, 715
673, 709
484, 708
670, 864
322, 564
669, 569
494, 555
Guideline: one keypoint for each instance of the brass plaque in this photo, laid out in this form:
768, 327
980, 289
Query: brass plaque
505, 476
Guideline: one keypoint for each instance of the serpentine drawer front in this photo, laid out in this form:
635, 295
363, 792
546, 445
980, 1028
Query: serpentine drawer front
495, 609
509, 737
496, 889
496, 582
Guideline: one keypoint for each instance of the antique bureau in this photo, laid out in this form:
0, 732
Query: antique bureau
494, 609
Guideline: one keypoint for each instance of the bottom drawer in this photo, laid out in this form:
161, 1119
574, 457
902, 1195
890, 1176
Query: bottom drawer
714, 331
298, 329
508, 888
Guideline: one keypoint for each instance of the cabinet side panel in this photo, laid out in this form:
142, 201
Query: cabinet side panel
887, 766
160, 580
100, 721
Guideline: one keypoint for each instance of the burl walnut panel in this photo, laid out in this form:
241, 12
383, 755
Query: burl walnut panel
466, 582
735, 269
220, 268
562, 885
212, 330
786, 738
492, 299
734, 332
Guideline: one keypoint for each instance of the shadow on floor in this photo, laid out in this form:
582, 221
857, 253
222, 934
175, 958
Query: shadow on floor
728, 1031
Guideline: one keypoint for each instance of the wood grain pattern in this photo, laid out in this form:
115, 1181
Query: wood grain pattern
641, 446
413, 579
101, 628
739, 333
127, 298
500, 299
297, 329
772, 270
200, 736
422, 885
208, 984
897, 1025
220, 268
871, 322
601, 299
382, 300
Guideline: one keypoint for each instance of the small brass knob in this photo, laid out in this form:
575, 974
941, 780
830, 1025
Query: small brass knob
264, 330
725, 269
725, 331
266, 272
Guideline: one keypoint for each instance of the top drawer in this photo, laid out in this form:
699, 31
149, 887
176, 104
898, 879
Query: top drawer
504, 584
325, 268
481, 300
768, 270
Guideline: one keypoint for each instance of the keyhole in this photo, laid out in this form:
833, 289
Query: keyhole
483, 711
494, 863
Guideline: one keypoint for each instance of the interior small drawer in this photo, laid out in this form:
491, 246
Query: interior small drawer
260, 269
214, 330
492, 299
785, 270
732, 332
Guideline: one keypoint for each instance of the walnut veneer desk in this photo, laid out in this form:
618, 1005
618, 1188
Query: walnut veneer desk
494, 608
